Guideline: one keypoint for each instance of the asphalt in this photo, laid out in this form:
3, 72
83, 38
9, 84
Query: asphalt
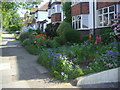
19, 69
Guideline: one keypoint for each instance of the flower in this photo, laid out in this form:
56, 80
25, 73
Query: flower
35, 41
96, 42
98, 38
62, 73
86, 42
90, 37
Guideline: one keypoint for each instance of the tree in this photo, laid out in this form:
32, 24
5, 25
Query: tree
10, 17
66, 6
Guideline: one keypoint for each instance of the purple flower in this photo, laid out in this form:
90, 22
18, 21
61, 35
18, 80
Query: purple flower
53, 60
77, 66
71, 60
48, 61
86, 42
71, 67
62, 73
67, 61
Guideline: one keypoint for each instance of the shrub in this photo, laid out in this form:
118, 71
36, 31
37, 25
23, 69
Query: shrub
41, 42
51, 29
59, 40
72, 36
32, 49
13, 28
52, 44
107, 35
38, 31
27, 42
63, 28
24, 36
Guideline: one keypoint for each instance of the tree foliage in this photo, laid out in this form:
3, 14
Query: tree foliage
10, 18
67, 11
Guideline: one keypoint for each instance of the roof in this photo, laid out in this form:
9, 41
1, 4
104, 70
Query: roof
44, 7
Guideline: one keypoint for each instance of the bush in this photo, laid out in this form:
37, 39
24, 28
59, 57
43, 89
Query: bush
107, 35
38, 31
32, 49
13, 28
72, 36
51, 29
59, 40
52, 44
25, 35
27, 42
63, 28
41, 42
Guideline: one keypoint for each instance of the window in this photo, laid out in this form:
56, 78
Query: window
53, 9
105, 16
58, 8
80, 22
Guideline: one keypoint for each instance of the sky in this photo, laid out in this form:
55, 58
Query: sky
23, 11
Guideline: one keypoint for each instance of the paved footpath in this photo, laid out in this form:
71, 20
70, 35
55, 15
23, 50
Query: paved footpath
19, 69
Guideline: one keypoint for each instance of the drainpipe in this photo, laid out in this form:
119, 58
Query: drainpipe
94, 20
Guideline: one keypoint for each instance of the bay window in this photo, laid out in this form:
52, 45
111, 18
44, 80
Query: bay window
105, 16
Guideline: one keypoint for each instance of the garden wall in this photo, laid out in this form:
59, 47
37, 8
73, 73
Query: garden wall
107, 76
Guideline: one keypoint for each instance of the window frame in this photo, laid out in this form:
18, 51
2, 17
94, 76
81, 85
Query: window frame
107, 13
76, 21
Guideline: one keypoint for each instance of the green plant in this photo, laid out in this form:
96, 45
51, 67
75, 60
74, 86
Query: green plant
59, 40
63, 28
41, 42
51, 29
27, 42
38, 31
59, 64
72, 36
17, 37
32, 49
107, 35
67, 11
24, 36
52, 44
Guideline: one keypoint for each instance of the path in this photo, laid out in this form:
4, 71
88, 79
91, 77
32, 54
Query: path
19, 68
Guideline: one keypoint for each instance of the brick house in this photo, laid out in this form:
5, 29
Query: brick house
87, 16
55, 12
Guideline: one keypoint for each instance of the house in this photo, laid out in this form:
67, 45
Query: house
55, 12
88, 16
41, 16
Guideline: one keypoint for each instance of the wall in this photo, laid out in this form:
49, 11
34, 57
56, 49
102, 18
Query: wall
80, 8
101, 77
56, 17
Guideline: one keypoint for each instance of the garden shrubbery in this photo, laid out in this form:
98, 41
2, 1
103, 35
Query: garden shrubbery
72, 36
67, 57
107, 35
51, 29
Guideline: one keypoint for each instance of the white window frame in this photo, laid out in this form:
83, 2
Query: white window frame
75, 20
108, 12
74, 2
